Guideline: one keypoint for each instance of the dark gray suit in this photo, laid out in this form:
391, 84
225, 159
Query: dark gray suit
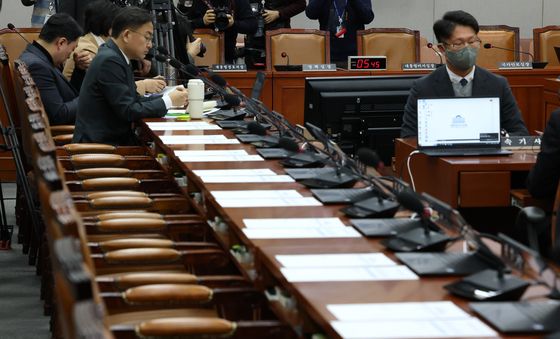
59, 97
437, 84
109, 103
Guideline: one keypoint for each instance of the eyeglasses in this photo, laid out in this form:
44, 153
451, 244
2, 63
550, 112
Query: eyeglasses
148, 37
475, 43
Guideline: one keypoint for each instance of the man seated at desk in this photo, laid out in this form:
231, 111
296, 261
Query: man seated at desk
456, 34
109, 103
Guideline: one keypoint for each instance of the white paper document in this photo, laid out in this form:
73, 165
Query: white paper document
209, 153
182, 126
249, 179
269, 202
236, 172
306, 233
222, 158
252, 194
371, 273
293, 223
397, 311
449, 328
196, 139
335, 260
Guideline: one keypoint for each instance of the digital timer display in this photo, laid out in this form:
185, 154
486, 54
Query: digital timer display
367, 63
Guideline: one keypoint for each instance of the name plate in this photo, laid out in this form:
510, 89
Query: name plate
515, 65
419, 66
318, 67
229, 68
521, 143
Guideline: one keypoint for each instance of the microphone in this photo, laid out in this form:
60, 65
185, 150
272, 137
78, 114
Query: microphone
263, 140
369, 158
290, 144
438, 53
285, 55
418, 239
14, 29
536, 64
255, 128
163, 50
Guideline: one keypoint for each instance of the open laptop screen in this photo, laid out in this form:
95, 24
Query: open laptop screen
458, 121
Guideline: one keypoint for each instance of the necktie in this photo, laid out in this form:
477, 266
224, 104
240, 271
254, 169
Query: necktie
463, 82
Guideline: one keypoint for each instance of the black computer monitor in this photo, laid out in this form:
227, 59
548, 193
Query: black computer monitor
359, 111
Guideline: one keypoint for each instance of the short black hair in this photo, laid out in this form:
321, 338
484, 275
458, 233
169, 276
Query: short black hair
130, 18
443, 28
61, 25
99, 16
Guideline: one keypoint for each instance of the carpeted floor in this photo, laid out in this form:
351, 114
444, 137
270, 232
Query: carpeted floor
21, 310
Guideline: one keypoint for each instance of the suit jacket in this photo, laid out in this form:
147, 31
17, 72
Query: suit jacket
437, 84
544, 176
59, 97
109, 103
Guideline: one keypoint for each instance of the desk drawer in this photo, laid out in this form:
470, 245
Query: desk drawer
484, 189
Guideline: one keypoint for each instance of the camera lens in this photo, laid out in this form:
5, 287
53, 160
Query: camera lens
222, 21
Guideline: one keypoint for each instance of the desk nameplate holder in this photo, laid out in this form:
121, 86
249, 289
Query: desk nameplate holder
319, 67
229, 68
515, 65
521, 143
422, 66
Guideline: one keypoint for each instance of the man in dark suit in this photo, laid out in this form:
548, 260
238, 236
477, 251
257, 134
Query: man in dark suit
109, 103
44, 58
457, 33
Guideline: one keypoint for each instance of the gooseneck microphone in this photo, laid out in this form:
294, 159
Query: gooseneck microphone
287, 57
438, 53
490, 46
14, 29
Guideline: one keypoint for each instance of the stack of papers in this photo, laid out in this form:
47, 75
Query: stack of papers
440, 319
217, 156
246, 175
263, 198
297, 228
342, 267
182, 126
196, 139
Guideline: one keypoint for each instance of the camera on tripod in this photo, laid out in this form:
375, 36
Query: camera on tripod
222, 20
258, 10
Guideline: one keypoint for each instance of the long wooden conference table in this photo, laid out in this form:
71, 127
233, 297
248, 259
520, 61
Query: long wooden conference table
303, 305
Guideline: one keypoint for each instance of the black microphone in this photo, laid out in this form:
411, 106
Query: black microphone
162, 50
262, 139
418, 239
438, 53
536, 64
218, 80
285, 55
370, 158
14, 29
289, 144
255, 128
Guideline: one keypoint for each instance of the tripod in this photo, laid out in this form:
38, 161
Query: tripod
163, 36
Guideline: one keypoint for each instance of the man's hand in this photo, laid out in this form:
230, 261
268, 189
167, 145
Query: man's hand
154, 85
179, 97
209, 17
270, 16
82, 59
193, 48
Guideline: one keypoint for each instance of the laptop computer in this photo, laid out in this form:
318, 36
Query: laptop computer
459, 126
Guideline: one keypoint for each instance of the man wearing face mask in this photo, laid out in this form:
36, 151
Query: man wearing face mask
457, 38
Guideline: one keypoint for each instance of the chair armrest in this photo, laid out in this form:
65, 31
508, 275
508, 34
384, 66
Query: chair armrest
131, 225
167, 293
142, 256
62, 139
121, 203
105, 194
62, 129
185, 327
128, 215
88, 173
97, 160
120, 244
89, 148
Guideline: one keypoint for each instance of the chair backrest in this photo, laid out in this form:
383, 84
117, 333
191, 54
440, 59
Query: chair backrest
214, 42
399, 45
500, 36
544, 40
302, 46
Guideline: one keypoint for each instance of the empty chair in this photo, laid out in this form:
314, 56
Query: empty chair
499, 36
544, 40
399, 45
296, 47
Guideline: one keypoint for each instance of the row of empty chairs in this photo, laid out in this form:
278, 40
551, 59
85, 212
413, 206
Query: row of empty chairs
128, 260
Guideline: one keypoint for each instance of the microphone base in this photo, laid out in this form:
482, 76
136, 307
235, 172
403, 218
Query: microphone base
330, 180
303, 160
487, 285
372, 207
227, 114
417, 240
539, 64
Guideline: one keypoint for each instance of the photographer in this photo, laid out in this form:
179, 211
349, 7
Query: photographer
271, 15
229, 16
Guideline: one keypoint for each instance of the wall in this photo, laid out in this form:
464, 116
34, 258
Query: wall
415, 14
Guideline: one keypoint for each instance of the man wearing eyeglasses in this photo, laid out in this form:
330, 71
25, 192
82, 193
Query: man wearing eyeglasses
457, 38
109, 103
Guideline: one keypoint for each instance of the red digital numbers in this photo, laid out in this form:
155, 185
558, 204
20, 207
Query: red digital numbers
367, 64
